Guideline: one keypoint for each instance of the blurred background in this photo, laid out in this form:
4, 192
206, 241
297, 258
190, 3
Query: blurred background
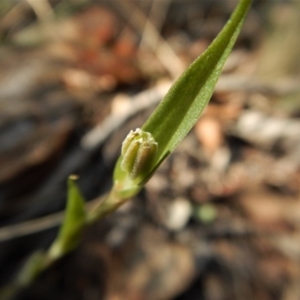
220, 219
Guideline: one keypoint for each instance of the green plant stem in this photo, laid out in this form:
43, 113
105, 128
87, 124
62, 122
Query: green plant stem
114, 199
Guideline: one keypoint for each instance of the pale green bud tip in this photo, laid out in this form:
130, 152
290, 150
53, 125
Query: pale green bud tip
138, 152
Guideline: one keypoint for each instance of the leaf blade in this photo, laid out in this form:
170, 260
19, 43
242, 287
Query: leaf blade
73, 223
180, 109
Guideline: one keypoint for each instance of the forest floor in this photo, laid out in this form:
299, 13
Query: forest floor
220, 219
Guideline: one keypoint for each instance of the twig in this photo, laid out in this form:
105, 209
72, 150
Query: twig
11, 232
42, 9
45, 15
137, 103
153, 39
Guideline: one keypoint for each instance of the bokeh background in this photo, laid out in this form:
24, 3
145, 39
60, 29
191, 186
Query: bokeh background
220, 219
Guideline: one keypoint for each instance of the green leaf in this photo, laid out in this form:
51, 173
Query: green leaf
33, 266
183, 104
181, 107
73, 224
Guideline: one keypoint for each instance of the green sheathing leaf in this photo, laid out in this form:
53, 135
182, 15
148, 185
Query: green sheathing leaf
187, 98
73, 224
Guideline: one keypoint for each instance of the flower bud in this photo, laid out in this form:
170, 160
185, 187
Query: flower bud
138, 152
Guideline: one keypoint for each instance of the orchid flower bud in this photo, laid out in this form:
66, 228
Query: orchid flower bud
138, 152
